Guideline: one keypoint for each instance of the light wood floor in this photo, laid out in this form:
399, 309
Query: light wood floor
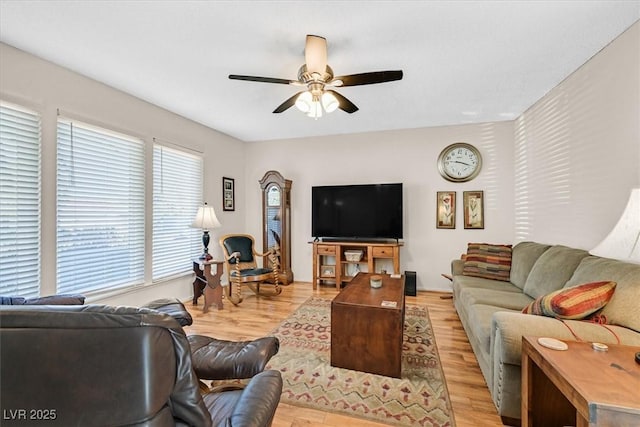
256, 317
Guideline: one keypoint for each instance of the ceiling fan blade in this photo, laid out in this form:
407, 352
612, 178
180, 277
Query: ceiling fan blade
287, 104
345, 104
262, 79
366, 78
315, 54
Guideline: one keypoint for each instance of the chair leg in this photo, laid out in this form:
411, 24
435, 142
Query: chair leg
275, 266
277, 290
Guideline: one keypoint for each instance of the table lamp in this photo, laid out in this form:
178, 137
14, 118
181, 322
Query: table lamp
206, 220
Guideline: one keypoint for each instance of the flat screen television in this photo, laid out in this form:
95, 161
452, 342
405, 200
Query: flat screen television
367, 211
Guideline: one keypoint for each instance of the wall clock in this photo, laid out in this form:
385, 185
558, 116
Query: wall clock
459, 162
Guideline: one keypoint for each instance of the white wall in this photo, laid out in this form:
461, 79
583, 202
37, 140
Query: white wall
578, 150
407, 156
46, 88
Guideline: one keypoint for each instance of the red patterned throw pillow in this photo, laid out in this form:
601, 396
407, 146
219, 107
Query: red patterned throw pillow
488, 261
575, 303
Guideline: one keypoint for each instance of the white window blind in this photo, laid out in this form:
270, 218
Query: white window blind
177, 194
19, 202
100, 210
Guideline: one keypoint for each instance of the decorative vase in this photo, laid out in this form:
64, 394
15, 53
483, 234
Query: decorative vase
375, 281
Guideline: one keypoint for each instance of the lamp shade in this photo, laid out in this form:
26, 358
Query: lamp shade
206, 218
303, 102
329, 102
623, 243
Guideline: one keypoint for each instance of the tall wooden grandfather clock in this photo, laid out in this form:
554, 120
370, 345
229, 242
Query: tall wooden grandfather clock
276, 219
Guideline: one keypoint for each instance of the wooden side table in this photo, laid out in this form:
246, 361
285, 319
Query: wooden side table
207, 283
580, 386
367, 331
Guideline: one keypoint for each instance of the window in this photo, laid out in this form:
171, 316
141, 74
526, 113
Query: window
100, 210
19, 201
177, 194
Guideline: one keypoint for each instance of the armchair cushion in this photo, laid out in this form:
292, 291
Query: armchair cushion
62, 299
252, 272
215, 359
241, 244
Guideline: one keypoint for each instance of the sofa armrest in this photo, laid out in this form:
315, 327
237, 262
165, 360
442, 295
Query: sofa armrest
508, 328
457, 266
257, 405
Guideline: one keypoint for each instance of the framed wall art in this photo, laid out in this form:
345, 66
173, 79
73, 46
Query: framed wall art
473, 209
228, 194
446, 209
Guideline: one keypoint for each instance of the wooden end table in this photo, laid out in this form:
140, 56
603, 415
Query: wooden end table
207, 283
580, 386
366, 334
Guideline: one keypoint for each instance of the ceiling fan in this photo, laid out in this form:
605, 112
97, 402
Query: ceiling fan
318, 78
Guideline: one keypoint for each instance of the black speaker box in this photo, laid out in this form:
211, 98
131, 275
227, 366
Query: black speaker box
410, 283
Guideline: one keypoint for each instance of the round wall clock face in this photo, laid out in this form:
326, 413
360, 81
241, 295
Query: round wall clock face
459, 162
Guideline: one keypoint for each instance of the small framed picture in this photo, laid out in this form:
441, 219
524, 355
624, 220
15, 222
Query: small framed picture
328, 271
473, 209
228, 194
446, 209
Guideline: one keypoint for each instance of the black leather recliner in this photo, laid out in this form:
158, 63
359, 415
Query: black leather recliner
98, 365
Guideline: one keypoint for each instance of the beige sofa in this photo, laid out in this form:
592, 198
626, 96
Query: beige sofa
490, 311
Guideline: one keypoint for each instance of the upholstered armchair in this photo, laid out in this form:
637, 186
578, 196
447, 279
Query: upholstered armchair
242, 267
97, 365
219, 360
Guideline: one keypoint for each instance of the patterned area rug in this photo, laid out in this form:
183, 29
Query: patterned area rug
419, 398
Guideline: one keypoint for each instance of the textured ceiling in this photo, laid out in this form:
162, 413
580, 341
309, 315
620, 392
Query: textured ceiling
463, 61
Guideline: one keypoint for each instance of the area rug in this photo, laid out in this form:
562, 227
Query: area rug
419, 398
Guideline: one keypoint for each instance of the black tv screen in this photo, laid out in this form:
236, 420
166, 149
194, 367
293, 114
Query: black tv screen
369, 211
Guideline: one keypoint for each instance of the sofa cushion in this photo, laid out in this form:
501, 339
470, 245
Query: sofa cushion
552, 270
463, 282
488, 261
577, 302
624, 307
497, 298
523, 256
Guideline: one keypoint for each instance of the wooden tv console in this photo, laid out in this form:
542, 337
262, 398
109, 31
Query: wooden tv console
330, 265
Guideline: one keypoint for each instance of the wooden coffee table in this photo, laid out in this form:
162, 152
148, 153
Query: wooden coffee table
366, 329
580, 386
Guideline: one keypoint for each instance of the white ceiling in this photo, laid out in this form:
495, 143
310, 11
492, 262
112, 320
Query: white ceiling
463, 61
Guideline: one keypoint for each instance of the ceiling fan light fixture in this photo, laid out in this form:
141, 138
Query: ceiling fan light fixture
304, 102
329, 102
318, 77
316, 109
